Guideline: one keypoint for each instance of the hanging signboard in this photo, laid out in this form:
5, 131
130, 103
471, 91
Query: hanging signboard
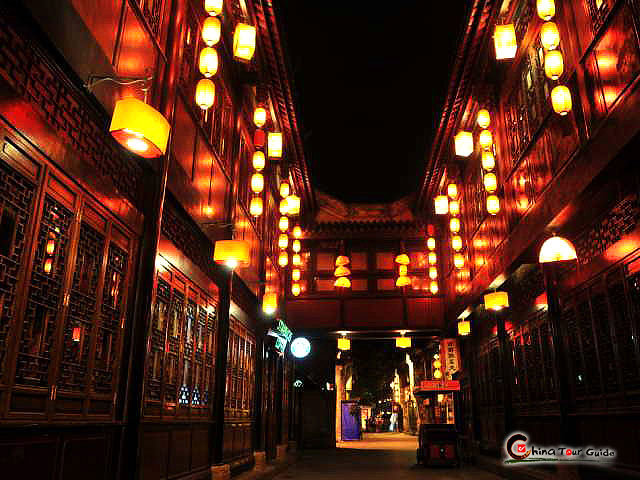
439, 385
282, 334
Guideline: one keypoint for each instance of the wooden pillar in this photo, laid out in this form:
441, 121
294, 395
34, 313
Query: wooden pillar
146, 268
506, 359
220, 380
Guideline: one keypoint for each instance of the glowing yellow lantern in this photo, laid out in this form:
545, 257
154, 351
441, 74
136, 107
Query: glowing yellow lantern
283, 259
433, 258
437, 364
260, 117
295, 275
490, 182
557, 249
274, 144
496, 301
208, 63
403, 270
433, 287
296, 260
342, 282
458, 260
244, 42
283, 241
561, 100
454, 225
205, 93
296, 247
454, 207
283, 224
403, 281
295, 289
505, 42
256, 206
442, 204
285, 190
232, 253
257, 183
486, 139
344, 344
139, 128
211, 32
493, 204
452, 190
403, 342
546, 9
488, 160
433, 273
549, 36
342, 271
403, 259
284, 207
464, 328
431, 243
293, 204
437, 374
464, 143
297, 231
553, 64
213, 7
258, 160
342, 260
484, 118
270, 303
456, 242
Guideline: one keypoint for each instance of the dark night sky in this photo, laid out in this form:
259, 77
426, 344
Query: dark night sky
370, 80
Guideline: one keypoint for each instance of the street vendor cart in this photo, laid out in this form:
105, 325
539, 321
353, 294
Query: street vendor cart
438, 436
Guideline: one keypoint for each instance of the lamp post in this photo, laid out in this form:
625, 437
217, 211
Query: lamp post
554, 252
496, 302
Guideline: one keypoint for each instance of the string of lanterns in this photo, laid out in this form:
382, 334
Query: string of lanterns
208, 61
488, 161
432, 260
342, 272
403, 262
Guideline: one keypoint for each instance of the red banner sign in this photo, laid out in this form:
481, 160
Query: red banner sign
438, 385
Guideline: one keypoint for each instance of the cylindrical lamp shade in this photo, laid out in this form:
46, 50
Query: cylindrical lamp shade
557, 249
403, 342
342, 260
258, 160
296, 247
431, 243
442, 204
274, 144
561, 100
403, 259
553, 64
433, 258
433, 273
211, 31
464, 143
232, 253
283, 224
295, 289
270, 303
341, 271
458, 260
283, 259
293, 202
454, 225
490, 182
285, 189
403, 270
208, 62
213, 7
283, 241
205, 93
244, 42
433, 287
295, 275
549, 36
493, 204
256, 207
464, 328
257, 183
139, 128
260, 117
488, 160
454, 207
284, 207
546, 9
297, 231
484, 118
403, 281
437, 374
504, 40
296, 260
496, 301
456, 242
486, 139
342, 282
344, 344
452, 190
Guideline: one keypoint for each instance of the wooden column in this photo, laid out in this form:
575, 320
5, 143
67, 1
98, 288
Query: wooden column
506, 358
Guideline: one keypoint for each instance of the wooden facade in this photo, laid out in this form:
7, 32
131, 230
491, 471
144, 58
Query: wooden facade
112, 312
